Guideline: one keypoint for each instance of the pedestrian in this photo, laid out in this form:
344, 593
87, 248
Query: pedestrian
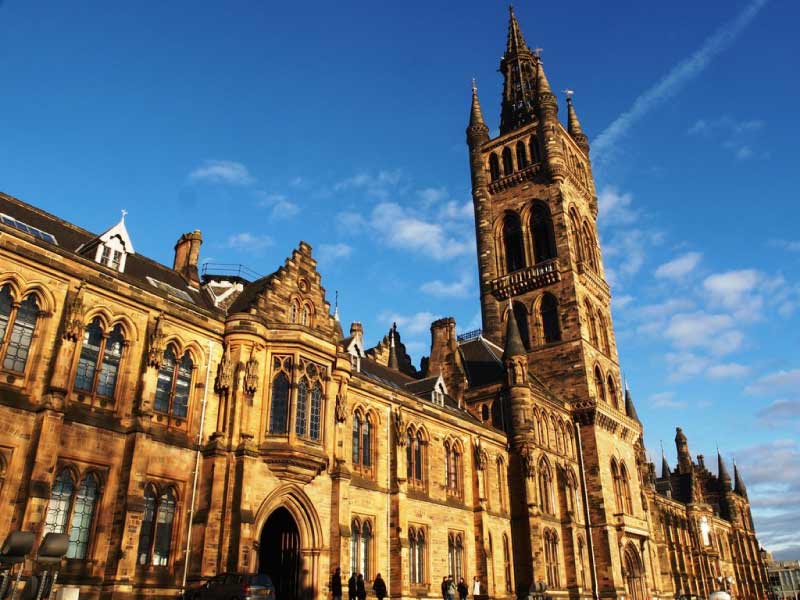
476, 586
444, 588
336, 584
351, 587
361, 590
451, 588
462, 589
379, 587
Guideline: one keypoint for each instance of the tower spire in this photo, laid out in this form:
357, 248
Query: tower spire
516, 42
722, 473
393, 362
519, 72
665, 472
630, 409
738, 482
477, 131
574, 125
514, 346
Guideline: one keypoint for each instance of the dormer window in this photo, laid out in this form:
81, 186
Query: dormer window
356, 353
111, 257
111, 248
439, 392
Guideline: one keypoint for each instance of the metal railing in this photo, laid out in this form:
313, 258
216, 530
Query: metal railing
469, 335
229, 270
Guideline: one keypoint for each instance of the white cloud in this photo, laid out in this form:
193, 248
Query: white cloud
378, 185
222, 171
456, 289
410, 324
454, 210
675, 79
736, 291
775, 382
614, 207
622, 301
329, 253
730, 370
713, 332
684, 365
789, 245
279, 205
248, 241
679, 267
666, 400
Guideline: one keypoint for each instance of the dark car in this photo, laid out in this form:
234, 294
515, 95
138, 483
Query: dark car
234, 586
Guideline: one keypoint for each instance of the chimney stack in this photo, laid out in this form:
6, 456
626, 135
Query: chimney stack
187, 253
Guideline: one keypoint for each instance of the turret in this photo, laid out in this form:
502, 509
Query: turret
630, 409
684, 456
722, 474
665, 472
393, 362
574, 127
516, 363
738, 482
477, 131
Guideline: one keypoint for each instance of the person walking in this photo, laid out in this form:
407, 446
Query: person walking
462, 589
361, 590
379, 587
351, 587
444, 588
476, 586
336, 584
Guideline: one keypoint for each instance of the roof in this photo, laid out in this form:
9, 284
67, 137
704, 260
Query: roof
139, 270
482, 362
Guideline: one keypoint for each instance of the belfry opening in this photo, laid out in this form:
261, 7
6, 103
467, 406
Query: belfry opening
279, 553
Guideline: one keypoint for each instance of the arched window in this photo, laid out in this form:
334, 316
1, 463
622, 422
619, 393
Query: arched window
279, 405
551, 329
560, 437
602, 327
634, 574
73, 506
521, 316
589, 247
613, 396
551, 559
540, 420
484, 413
574, 223
301, 411
17, 324
174, 383
502, 484
497, 414
617, 486
545, 489
455, 555
625, 486
99, 360
512, 239
294, 313
362, 443
522, 157
453, 466
414, 458
598, 385
544, 239
592, 323
534, 146
416, 544
361, 548
494, 167
507, 563
306, 315
308, 410
155, 535
581, 563
508, 162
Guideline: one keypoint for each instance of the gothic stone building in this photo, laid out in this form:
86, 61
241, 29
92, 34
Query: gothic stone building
180, 427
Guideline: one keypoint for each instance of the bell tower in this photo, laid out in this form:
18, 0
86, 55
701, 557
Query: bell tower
539, 259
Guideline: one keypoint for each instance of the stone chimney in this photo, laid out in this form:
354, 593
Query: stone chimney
356, 329
187, 253
445, 359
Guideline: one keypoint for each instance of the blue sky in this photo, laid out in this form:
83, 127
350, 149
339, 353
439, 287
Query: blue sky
342, 124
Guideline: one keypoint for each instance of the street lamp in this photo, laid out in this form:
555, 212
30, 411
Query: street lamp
17, 546
52, 549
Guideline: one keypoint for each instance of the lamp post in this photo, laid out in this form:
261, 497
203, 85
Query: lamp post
52, 549
15, 549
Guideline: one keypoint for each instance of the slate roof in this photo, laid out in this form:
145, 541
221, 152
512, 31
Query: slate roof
482, 362
70, 237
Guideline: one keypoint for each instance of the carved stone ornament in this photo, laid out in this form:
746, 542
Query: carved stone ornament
155, 348
528, 461
224, 380
251, 375
481, 458
341, 400
518, 371
73, 317
399, 428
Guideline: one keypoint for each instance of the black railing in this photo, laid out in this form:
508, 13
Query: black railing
229, 270
469, 335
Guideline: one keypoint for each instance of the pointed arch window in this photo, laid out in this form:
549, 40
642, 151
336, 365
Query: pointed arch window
98, 364
521, 316
581, 563
416, 543
613, 395
279, 401
551, 329
17, 325
534, 146
522, 156
615, 476
308, 410
362, 443
502, 484
174, 384
453, 468
361, 548
544, 239
507, 563
592, 323
455, 555
415, 456
545, 489
74, 506
551, 559
512, 240
598, 385
603, 333
155, 534
574, 223
508, 162
625, 488
589, 246
494, 167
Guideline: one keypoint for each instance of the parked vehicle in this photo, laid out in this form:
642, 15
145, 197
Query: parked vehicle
233, 586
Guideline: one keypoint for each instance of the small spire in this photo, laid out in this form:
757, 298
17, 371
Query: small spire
393, 362
630, 409
336, 306
722, 473
124, 214
543, 91
513, 345
477, 131
665, 472
516, 42
738, 481
574, 125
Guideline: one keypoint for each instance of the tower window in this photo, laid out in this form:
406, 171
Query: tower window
521, 316
598, 384
508, 162
512, 238
534, 145
544, 239
551, 330
494, 167
522, 157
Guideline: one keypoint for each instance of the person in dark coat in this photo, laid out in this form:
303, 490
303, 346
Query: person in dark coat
444, 588
361, 590
379, 587
462, 589
351, 587
336, 584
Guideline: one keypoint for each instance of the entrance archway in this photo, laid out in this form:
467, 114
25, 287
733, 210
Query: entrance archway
634, 574
279, 554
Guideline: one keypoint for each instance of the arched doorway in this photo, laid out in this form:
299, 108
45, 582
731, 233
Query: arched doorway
634, 574
279, 554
